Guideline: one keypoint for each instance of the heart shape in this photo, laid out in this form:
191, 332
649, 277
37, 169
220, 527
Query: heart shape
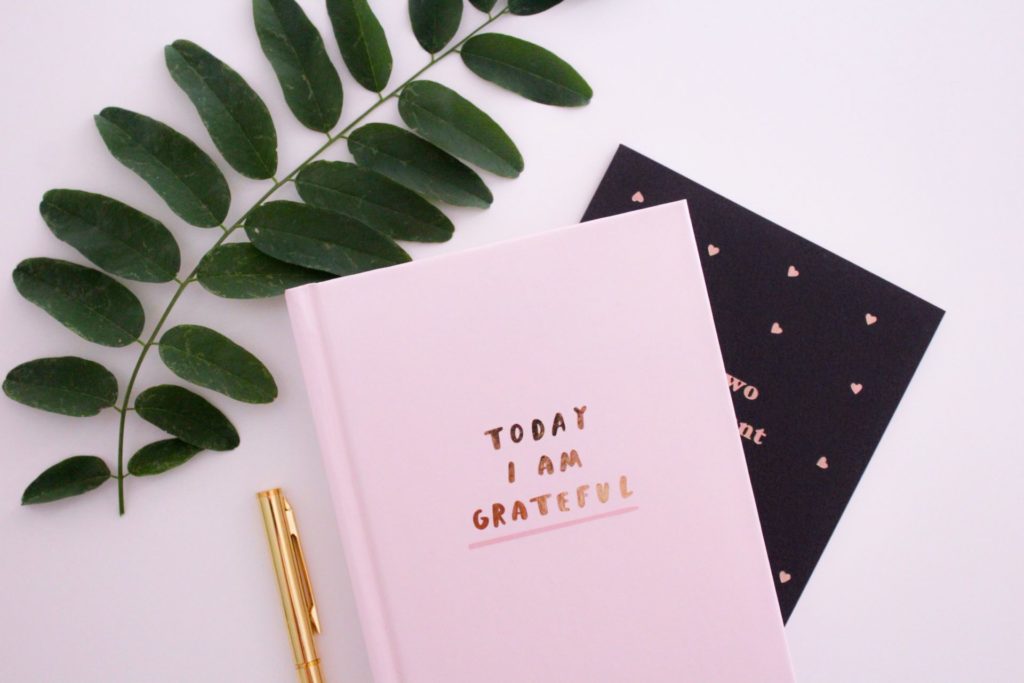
784, 577
712, 250
638, 197
855, 387
823, 462
793, 272
776, 328
870, 319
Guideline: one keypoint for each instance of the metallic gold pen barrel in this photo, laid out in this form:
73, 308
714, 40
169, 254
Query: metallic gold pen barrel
310, 673
293, 580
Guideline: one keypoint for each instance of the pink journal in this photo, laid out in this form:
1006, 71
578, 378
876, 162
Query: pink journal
534, 461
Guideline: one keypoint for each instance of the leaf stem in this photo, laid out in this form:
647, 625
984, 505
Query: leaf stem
278, 184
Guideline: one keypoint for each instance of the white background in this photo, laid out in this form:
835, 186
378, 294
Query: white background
889, 132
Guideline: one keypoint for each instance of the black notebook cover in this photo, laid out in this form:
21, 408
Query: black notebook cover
819, 352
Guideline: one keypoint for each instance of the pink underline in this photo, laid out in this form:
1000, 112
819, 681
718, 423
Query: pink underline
551, 527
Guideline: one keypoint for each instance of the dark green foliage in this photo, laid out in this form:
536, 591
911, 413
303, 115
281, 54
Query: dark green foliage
70, 477
237, 119
348, 222
66, 385
364, 47
526, 69
173, 165
418, 164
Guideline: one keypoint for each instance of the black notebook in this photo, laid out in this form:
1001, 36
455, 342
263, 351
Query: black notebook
818, 352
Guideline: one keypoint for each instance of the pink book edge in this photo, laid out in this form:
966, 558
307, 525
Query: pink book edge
324, 403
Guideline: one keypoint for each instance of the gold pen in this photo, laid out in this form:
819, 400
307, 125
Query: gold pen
293, 580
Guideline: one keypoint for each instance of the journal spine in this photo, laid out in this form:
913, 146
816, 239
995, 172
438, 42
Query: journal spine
328, 416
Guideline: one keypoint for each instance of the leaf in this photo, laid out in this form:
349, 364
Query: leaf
364, 47
296, 51
237, 119
188, 416
241, 271
373, 199
160, 456
418, 165
174, 166
117, 238
456, 125
524, 7
483, 5
317, 238
92, 305
526, 69
435, 22
70, 477
66, 385
208, 358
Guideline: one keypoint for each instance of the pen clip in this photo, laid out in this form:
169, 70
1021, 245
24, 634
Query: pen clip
300, 560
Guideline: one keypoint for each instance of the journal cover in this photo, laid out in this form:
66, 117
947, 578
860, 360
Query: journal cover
535, 465
818, 353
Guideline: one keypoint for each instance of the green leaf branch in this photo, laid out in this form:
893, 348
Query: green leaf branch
348, 221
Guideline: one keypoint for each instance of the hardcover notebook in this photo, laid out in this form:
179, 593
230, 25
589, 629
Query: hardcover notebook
534, 463
819, 353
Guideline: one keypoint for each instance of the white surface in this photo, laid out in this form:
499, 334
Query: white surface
887, 132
